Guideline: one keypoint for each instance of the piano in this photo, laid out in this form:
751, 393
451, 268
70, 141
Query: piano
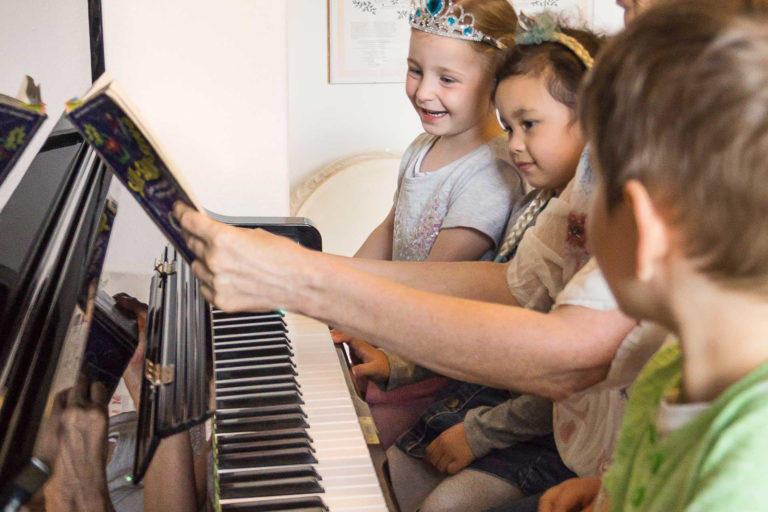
288, 431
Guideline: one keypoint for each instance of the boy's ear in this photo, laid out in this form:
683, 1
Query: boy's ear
652, 232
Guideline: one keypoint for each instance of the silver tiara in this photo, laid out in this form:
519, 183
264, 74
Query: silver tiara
443, 18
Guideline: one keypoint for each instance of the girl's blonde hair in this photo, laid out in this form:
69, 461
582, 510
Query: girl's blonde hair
495, 18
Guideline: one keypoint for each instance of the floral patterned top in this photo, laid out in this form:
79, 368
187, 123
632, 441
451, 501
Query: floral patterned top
475, 191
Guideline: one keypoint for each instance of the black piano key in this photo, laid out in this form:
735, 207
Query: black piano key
261, 423
259, 399
309, 504
251, 350
262, 458
251, 337
242, 437
225, 415
219, 319
254, 362
257, 388
219, 314
284, 486
260, 474
255, 340
223, 384
237, 448
263, 370
249, 326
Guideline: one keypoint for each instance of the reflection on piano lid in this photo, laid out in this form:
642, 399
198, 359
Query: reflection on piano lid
53, 232
112, 340
286, 432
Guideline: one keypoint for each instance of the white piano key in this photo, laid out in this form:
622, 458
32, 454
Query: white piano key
344, 465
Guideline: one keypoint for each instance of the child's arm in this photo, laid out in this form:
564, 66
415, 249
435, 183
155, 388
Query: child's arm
486, 428
459, 244
378, 245
520, 418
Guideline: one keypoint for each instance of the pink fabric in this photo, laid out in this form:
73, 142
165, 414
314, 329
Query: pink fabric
396, 411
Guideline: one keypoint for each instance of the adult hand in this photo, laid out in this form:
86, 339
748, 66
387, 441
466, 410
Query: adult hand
450, 452
79, 471
575, 494
241, 269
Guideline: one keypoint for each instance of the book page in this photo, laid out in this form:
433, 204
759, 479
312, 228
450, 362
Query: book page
114, 134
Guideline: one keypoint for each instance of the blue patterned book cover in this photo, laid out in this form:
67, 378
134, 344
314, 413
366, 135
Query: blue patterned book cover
18, 123
123, 142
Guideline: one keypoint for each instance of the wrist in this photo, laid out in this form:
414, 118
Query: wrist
96, 500
315, 278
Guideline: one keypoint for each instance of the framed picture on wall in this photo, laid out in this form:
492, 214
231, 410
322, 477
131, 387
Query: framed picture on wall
367, 41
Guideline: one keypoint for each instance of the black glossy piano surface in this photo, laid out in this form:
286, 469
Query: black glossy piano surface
286, 432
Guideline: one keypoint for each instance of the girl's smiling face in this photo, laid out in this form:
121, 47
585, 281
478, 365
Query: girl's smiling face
545, 141
449, 84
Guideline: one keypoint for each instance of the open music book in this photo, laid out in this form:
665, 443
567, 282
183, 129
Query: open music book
116, 131
20, 118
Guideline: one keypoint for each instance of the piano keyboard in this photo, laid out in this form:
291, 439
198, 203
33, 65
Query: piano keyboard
286, 433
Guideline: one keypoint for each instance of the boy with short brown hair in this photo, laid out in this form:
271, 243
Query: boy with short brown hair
677, 109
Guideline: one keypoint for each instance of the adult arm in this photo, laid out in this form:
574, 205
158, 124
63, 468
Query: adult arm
476, 280
169, 484
549, 355
79, 480
174, 479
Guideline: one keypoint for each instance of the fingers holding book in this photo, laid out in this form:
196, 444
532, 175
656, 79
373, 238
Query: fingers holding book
239, 269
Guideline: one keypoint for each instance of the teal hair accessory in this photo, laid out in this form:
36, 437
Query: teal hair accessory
543, 28
536, 29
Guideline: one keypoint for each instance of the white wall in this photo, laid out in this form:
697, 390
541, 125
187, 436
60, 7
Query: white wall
210, 79
237, 91
607, 16
48, 41
327, 122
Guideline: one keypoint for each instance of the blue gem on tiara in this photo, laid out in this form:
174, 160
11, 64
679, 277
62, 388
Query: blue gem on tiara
444, 18
434, 6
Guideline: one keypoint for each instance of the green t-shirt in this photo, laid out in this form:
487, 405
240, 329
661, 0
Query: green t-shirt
714, 462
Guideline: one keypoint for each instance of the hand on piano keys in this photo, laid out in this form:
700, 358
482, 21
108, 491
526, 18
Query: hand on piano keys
364, 360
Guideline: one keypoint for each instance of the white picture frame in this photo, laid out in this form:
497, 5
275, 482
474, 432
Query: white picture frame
367, 41
575, 12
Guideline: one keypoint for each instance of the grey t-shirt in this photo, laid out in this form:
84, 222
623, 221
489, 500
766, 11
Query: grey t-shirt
475, 191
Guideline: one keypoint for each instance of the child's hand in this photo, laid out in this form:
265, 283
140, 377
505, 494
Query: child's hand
450, 452
340, 337
573, 494
374, 366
